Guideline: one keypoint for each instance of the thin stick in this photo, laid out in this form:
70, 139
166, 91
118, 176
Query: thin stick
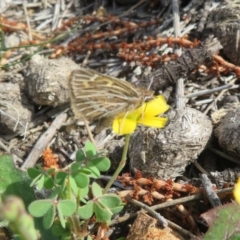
211, 194
213, 90
176, 24
28, 21
200, 168
218, 97
180, 99
171, 203
155, 214
4, 147
43, 141
86, 59
224, 155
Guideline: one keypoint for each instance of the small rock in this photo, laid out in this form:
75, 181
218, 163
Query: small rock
224, 22
166, 152
228, 128
16, 110
47, 80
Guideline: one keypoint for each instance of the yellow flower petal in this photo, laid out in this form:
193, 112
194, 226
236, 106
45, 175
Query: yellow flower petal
154, 107
124, 125
153, 122
236, 191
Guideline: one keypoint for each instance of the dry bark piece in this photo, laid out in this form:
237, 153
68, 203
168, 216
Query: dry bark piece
16, 111
192, 58
166, 152
144, 229
47, 80
224, 22
228, 129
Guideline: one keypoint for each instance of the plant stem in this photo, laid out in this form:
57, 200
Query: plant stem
121, 164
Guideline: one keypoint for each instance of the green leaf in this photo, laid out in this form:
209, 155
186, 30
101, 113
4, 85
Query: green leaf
39, 207
81, 179
58, 230
50, 171
223, 221
61, 218
89, 237
113, 202
66, 237
60, 177
73, 185
67, 207
86, 211
35, 180
80, 156
17, 182
48, 182
40, 183
75, 167
96, 190
94, 172
49, 217
102, 163
117, 209
14, 181
102, 214
55, 192
83, 192
33, 172
90, 149
86, 171
105, 206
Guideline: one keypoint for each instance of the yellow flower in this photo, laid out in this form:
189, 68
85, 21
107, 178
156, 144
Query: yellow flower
146, 115
236, 191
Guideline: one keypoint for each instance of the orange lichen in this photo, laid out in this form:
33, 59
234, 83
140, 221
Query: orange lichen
50, 159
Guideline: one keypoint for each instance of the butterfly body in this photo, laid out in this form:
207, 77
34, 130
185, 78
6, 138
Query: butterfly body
95, 96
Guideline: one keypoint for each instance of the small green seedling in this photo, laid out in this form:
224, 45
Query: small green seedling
75, 196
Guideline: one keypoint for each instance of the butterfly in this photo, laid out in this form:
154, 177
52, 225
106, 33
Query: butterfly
95, 96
